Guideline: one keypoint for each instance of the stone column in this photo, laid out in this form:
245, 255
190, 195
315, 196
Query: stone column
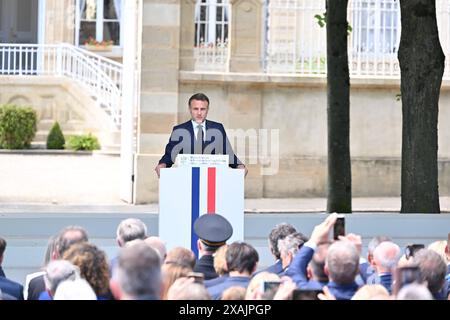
246, 35
187, 36
60, 21
157, 113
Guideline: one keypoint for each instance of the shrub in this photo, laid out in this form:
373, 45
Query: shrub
83, 142
55, 139
18, 126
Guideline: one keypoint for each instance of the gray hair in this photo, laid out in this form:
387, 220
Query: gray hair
131, 229
58, 271
280, 231
375, 242
138, 272
432, 267
291, 243
342, 262
387, 254
414, 291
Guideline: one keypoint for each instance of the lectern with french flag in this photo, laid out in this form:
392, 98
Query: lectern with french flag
199, 184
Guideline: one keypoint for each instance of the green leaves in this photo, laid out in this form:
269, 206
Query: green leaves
83, 142
18, 126
322, 21
55, 139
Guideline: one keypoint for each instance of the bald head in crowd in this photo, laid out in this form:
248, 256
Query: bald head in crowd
386, 256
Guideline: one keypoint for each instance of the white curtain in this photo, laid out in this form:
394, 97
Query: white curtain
118, 7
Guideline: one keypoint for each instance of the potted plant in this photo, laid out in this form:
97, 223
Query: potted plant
94, 45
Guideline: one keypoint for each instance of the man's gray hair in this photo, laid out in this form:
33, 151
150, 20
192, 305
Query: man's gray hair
131, 229
432, 267
68, 236
375, 242
343, 262
291, 243
138, 272
58, 271
387, 254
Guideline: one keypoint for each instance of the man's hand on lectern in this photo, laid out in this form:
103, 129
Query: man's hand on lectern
159, 166
241, 166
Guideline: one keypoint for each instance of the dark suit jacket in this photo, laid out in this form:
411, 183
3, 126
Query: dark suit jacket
12, 288
217, 290
2, 273
182, 141
35, 287
205, 265
276, 268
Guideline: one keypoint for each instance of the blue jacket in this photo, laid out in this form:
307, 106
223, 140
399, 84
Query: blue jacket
12, 288
342, 292
276, 268
182, 141
217, 290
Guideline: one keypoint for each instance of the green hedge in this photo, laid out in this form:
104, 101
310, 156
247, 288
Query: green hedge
55, 139
18, 126
83, 142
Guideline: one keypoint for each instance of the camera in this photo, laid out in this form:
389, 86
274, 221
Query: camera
306, 294
270, 285
198, 277
404, 276
339, 227
412, 249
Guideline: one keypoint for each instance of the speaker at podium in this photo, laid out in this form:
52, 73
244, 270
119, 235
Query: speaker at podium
199, 184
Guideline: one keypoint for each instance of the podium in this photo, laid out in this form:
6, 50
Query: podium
203, 184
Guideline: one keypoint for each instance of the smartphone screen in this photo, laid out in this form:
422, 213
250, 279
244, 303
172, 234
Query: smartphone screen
412, 249
302, 294
339, 227
406, 275
270, 285
198, 277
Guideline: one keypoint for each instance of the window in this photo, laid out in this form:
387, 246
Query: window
376, 26
99, 19
211, 23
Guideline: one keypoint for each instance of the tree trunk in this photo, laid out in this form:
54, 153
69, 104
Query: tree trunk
422, 66
338, 90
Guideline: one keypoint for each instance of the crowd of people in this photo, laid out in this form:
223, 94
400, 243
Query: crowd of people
305, 267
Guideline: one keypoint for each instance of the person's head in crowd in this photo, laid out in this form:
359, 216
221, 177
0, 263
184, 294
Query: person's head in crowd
316, 267
289, 246
159, 245
212, 230
439, 247
280, 231
68, 236
220, 260
414, 291
181, 256
433, 269
255, 289
371, 292
342, 262
171, 272
138, 273
78, 289
234, 293
51, 246
242, 259
2, 249
130, 229
93, 266
447, 249
186, 289
386, 256
373, 243
58, 271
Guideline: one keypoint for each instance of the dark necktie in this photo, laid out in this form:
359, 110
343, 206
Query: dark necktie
198, 147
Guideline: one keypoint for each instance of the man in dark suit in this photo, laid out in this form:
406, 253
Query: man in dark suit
213, 230
198, 136
8, 288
